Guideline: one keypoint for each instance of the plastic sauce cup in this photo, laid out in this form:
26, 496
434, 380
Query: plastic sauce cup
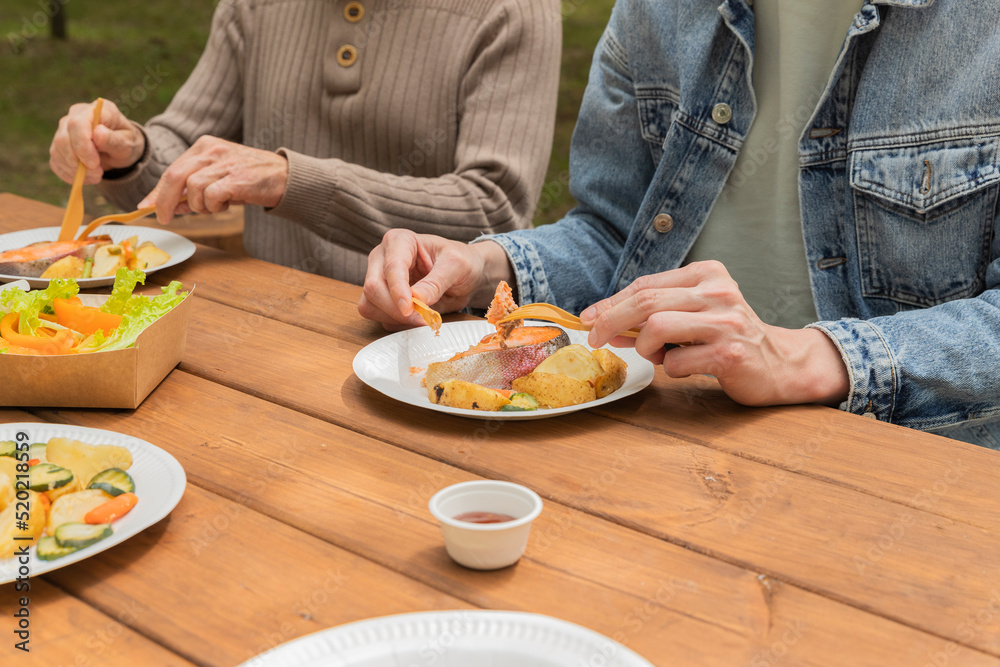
485, 546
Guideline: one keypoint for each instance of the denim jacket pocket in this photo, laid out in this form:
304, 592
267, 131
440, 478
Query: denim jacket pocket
924, 216
657, 107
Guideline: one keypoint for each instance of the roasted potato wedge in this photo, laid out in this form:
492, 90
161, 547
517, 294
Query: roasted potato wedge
74, 507
34, 525
108, 259
6, 490
461, 394
86, 460
615, 371
555, 391
72, 487
67, 267
575, 361
8, 466
148, 256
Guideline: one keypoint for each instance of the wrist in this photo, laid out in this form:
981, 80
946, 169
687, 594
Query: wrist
814, 370
138, 147
495, 266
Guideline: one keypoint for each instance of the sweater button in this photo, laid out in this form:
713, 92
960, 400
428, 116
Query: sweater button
722, 113
354, 12
347, 55
663, 223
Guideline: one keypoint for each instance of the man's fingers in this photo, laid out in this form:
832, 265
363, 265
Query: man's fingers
398, 252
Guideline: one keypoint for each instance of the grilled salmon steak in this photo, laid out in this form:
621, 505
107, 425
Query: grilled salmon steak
495, 363
32, 260
496, 360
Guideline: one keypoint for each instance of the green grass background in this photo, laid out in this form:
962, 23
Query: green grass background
114, 44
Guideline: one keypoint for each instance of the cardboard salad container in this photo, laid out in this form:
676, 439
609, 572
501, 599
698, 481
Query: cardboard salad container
115, 379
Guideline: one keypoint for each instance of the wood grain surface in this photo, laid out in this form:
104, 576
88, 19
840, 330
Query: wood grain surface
691, 529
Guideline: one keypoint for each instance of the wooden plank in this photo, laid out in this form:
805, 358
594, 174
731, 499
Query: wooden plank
19, 213
66, 631
670, 604
220, 583
919, 470
268, 290
872, 553
908, 467
941, 476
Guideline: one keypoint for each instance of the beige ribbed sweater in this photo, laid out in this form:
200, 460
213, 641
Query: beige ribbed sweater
443, 123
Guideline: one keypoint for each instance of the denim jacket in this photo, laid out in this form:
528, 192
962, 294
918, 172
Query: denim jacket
899, 180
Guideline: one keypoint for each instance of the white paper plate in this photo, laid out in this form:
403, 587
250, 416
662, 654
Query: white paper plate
175, 245
159, 483
472, 638
395, 365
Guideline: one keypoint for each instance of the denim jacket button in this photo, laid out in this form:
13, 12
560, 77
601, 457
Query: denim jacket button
663, 223
722, 113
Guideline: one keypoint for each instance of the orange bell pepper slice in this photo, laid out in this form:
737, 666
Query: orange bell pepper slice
71, 313
61, 342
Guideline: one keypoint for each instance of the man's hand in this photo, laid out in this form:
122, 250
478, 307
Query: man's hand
700, 304
114, 144
215, 173
448, 275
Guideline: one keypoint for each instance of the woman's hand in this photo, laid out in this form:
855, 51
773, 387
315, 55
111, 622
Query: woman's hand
114, 144
215, 173
701, 306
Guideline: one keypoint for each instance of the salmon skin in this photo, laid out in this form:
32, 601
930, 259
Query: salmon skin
32, 260
496, 361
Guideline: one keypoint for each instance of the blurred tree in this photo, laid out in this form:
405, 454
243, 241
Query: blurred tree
58, 10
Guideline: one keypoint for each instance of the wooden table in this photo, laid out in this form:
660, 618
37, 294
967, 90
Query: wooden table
693, 530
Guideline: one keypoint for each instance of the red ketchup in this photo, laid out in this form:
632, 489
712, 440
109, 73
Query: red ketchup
483, 517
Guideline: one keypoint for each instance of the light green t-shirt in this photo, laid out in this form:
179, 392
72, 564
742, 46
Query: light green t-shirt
755, 227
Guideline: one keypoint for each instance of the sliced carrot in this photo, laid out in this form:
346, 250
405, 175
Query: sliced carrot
33, 462
114, 509
73, 314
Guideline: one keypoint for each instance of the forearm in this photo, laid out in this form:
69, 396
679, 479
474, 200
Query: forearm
925, 369
354, 206
496, 267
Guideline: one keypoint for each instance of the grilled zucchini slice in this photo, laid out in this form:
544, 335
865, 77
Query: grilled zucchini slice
80, 535
113, 481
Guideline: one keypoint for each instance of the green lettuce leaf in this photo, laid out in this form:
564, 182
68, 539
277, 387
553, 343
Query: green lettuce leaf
138, 312
121, 293
31, 304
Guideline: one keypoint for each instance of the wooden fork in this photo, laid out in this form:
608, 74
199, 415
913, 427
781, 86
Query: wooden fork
74, 207
119, 217
429, 315
549, 313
